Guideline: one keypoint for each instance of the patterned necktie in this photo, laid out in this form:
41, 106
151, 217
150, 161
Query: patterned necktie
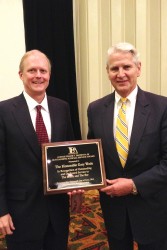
121, 133
40, 127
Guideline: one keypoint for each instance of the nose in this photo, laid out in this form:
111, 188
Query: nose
38, 73
121, 72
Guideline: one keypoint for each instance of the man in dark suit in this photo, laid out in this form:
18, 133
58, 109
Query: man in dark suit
30, 220
134, 203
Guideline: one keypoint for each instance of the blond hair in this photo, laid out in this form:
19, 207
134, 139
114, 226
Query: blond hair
29, 53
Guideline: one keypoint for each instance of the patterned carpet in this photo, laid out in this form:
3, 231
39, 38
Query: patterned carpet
87, 230
2, 243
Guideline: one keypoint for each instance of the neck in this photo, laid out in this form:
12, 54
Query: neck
37, 97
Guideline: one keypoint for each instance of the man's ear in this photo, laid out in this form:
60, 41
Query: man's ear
139, 69
20, 74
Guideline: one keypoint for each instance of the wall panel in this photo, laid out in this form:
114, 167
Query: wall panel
106, 22
12, 47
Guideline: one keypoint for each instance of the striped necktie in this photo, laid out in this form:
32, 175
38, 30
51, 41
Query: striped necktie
121, 133
40, 127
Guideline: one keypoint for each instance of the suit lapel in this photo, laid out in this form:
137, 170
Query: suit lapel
53, 118
107, 119
23, 119
142, 112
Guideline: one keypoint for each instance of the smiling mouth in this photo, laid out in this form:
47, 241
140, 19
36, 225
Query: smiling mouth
37, 82
122, 82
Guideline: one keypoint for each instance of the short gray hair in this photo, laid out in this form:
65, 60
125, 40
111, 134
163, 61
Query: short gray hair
125, 48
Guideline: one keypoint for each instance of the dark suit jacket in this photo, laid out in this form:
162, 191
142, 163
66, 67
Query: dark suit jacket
146, 165
21, 179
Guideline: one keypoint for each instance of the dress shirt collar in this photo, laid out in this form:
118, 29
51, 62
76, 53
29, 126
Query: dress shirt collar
32, 103
131, 97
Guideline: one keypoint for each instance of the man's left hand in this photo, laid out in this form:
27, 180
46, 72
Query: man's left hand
76, 199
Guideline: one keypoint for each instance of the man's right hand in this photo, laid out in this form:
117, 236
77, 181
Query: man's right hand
6, 224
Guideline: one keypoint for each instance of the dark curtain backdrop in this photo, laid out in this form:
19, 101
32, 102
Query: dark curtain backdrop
49, 28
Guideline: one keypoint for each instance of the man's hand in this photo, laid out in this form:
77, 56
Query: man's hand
6, 224
118, 187
76, 199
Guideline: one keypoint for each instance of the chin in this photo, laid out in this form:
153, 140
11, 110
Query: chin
123, 91
39, 88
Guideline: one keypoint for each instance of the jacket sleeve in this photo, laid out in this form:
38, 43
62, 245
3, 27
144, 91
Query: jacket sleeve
154, 180
3, 203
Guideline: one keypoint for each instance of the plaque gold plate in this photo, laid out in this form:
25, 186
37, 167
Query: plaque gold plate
73, 165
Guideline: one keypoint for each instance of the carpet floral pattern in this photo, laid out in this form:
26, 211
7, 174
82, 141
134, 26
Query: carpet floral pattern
2, 243
87, 230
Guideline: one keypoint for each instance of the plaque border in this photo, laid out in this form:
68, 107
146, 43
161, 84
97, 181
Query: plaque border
47, 190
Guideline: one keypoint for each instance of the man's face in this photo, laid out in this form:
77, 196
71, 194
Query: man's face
123, 72
35, 74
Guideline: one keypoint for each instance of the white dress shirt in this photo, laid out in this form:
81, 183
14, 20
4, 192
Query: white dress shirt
130, 110
44, 110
